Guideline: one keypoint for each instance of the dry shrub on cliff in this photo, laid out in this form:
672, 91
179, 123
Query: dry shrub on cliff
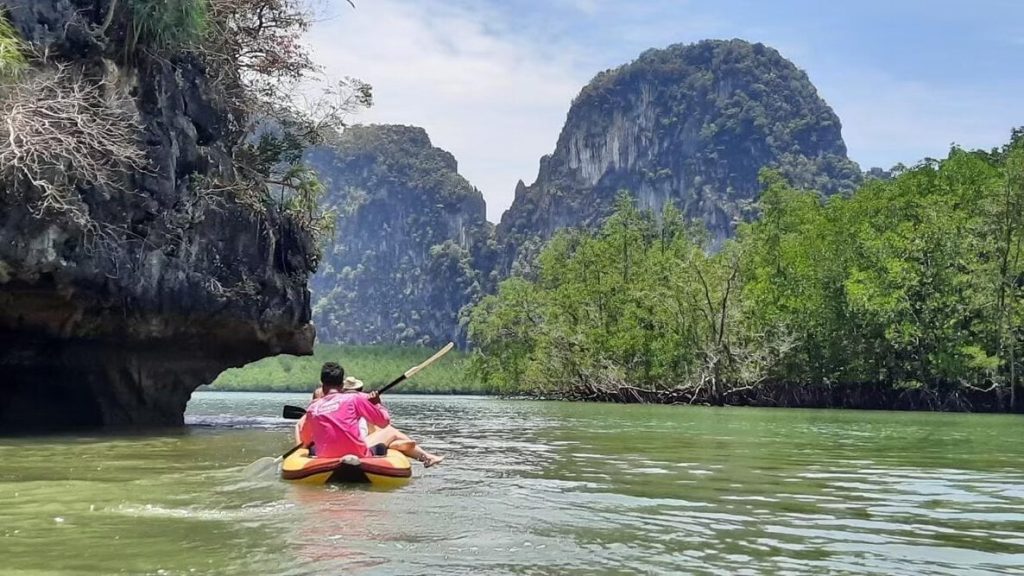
261, 40
255, 47
60, 133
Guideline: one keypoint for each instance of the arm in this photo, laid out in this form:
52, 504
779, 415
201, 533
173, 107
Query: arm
303, 433
375, 414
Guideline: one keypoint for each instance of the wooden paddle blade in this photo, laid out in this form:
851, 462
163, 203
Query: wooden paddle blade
293, 412
409, 373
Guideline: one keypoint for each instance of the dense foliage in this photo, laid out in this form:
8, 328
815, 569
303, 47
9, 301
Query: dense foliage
412, 240
374, 365
909, 293
269, 72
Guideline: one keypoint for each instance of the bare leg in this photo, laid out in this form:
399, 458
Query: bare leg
393, 438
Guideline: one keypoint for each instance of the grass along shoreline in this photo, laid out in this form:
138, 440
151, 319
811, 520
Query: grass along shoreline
374, 365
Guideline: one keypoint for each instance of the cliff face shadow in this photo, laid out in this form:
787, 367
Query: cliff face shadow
133, 289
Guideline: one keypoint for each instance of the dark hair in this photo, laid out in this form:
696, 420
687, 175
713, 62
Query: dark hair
332, 375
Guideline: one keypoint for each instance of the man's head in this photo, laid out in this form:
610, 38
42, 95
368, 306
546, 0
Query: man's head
332, 376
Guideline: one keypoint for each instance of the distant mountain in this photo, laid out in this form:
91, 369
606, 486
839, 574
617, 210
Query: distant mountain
690, 124
411, 241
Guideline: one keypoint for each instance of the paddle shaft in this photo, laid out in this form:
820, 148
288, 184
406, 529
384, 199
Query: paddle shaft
394, 382
290, 452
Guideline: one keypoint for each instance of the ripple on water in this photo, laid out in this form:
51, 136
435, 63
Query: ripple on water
536, 488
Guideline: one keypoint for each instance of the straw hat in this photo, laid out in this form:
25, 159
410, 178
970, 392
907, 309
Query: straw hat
352, 384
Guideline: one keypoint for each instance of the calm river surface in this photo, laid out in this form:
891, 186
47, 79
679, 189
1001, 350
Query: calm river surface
531, 488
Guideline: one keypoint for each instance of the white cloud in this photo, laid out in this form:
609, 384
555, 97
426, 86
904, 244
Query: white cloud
496, 96
493, 99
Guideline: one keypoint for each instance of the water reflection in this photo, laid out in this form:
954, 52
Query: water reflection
336, 522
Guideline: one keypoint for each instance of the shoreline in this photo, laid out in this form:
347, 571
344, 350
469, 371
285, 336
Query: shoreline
870, 396
864, 397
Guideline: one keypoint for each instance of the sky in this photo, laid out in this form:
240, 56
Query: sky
492, 80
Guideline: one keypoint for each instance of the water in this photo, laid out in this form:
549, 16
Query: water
531, 488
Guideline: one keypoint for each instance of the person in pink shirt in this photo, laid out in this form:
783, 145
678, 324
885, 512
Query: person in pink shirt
332, 422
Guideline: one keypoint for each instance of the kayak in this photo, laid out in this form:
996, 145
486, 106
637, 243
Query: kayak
393, 469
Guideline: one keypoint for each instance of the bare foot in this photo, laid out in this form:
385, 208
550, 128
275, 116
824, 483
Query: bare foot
432, 460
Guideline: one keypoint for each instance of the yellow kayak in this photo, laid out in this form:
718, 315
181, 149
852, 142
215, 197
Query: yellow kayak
394, 469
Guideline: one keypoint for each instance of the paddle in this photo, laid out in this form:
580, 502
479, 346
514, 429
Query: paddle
265, 464
412, 371
294, 412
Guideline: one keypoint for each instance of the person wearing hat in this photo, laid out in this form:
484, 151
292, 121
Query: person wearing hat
337, 422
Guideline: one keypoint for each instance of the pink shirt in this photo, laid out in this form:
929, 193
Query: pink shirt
333, 423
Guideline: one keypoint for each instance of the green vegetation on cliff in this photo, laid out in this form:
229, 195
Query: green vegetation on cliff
12, 58
374, 365
412, 240
691, 125
163, 24
909, 293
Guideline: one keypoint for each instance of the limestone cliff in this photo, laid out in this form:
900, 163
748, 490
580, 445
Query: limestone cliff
116, 305
690, 124
411, 239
